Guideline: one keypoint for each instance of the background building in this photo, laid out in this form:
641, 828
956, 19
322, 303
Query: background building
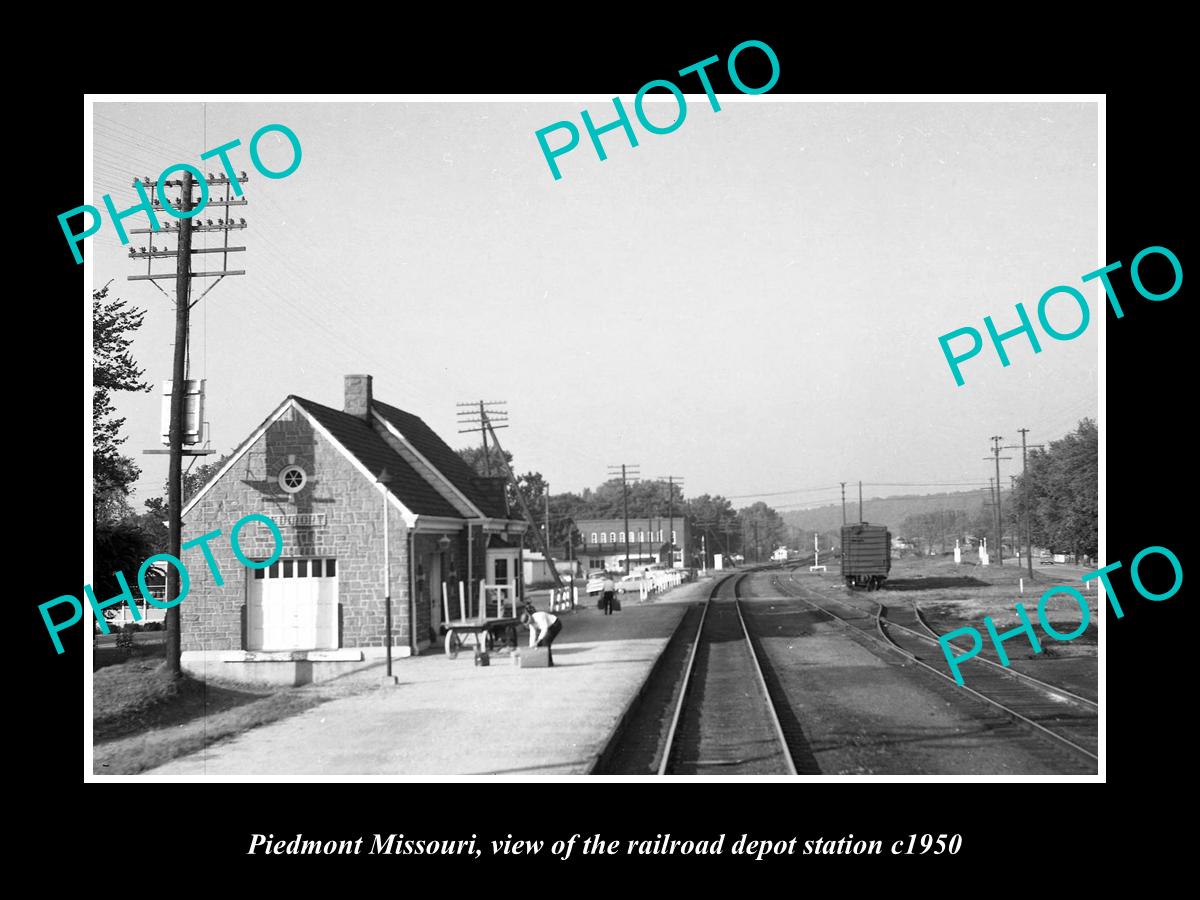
649, 540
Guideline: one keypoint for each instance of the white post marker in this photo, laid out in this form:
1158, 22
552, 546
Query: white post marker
816, 566
957, 553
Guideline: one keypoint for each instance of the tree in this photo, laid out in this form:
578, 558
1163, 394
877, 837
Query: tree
113, 370
198, 477
1061, 489
153, 521
473, 456
153, 525
491, 467
532, 488
763, 529
120, 546
937, 529
715, 518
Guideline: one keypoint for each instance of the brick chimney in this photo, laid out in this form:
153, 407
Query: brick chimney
358, 396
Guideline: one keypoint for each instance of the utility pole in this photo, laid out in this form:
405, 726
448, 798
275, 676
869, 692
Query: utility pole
625, 472
996, 439
1025, 497
860, 515
487, 423
672, 480
183, 283
1012, 489
546, 498
469, 415
182, 210
757, 557
486, 413
843, 503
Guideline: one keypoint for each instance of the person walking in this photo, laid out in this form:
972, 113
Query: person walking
608, 593
543, 629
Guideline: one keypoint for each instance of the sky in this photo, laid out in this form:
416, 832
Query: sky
752, 302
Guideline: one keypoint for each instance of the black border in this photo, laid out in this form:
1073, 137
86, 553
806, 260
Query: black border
1147, 405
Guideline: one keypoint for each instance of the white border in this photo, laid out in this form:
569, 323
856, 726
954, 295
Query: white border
724, 99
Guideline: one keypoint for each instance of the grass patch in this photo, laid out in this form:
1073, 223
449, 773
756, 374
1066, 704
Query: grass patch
144, 717
150, 646
952, 596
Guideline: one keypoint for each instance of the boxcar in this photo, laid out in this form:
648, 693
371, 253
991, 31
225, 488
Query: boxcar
866, 555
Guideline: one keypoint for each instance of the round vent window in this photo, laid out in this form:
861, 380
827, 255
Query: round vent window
292, 479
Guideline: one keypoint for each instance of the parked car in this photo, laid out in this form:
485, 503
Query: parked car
595, 582
631, 583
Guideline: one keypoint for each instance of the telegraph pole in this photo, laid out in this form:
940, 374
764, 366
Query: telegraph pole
671, 482
546, 498
996, 439
179, 368
487, 423
1025, 496
843, 503
183, 283
1012, 488
625, 472
485, 417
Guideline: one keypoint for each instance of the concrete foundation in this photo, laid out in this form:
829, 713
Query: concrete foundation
285, 667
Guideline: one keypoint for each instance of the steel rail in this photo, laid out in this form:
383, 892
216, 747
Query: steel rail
892, 645
687, 679
762, 683
665, 762
934, 638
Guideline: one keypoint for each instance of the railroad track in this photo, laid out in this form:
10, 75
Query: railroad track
724, 722
1048, 710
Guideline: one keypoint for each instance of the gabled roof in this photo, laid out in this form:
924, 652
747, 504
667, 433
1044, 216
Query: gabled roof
438, 452
374, 453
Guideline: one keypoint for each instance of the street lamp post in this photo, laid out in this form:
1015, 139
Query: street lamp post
384, 480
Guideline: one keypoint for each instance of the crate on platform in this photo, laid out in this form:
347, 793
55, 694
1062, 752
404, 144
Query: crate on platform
534, 658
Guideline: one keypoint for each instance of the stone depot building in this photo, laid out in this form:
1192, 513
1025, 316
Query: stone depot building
328, 477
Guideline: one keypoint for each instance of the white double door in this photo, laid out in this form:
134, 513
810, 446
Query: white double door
293, 606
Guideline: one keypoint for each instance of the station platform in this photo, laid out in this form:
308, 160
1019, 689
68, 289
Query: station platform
450, 718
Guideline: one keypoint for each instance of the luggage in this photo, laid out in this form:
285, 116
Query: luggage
616, 607
534, 658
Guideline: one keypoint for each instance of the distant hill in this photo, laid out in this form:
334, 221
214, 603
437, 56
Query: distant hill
890, 511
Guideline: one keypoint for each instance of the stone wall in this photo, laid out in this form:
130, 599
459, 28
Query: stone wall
214, 617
